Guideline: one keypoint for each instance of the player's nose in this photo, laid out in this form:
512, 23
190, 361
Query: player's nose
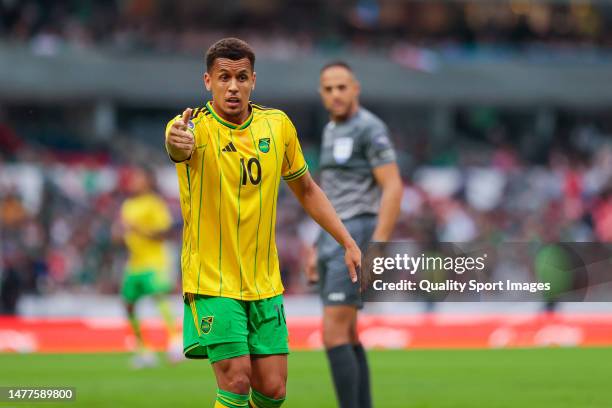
233, 86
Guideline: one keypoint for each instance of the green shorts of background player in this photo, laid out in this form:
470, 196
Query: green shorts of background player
135, 286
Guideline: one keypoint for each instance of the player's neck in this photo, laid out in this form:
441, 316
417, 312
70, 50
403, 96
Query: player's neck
238, 119
141, 193
345, 118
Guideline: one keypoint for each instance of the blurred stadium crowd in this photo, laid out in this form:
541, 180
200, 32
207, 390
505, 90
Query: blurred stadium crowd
57, 211
304, 26
500, 176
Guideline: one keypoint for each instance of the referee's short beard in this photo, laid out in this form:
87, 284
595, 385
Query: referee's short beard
351, 108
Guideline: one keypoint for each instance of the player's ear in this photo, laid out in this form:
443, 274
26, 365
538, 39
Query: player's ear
254, 80
357, 88
207, 81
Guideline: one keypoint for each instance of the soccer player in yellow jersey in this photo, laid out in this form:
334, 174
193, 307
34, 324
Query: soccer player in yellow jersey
230, 156
145, 222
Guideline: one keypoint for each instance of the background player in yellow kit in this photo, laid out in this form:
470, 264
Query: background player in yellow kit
145, 222
231, 155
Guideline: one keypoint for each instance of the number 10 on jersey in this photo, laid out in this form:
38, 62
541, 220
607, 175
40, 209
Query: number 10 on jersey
248, 173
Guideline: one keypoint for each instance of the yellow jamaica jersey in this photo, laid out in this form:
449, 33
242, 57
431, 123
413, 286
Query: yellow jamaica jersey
146, 213
229, 188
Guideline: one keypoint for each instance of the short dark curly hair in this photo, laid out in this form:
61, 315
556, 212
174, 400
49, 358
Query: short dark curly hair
230, 48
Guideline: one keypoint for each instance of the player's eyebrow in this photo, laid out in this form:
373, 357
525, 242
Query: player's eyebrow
227, 71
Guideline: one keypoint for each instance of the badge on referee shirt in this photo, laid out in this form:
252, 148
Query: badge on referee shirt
343, 148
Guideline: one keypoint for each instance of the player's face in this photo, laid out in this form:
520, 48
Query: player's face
339, 92
139, 182
231, 83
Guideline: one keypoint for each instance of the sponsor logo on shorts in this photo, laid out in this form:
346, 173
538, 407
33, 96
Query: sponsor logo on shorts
336, 296
206, 324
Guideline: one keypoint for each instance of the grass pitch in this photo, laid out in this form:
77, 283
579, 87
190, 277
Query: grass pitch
555, 378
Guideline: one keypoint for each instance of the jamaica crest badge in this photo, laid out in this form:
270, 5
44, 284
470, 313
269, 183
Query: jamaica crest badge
206, 324
264, 145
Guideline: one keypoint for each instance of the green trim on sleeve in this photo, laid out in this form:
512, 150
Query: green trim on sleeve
296, 174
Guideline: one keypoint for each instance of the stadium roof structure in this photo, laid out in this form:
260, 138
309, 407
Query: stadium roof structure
162, 81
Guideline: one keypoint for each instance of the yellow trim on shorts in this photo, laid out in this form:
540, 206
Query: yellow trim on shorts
194, 312
193, 346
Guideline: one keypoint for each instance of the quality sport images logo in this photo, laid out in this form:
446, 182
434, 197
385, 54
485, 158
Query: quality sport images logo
490, 271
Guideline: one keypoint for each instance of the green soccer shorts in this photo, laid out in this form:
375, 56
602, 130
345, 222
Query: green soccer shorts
137, 284
219, 328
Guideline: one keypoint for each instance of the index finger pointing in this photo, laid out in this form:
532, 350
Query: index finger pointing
352, 272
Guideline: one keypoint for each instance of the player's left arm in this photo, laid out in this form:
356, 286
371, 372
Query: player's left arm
118, 230
317, 205
388, 178
381, 156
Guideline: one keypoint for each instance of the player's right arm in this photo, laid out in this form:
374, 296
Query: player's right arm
310, 269
180, 142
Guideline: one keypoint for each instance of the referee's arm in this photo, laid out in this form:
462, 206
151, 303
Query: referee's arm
388, 179
317, 205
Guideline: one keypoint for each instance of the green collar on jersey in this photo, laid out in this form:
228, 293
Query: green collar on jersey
230, 125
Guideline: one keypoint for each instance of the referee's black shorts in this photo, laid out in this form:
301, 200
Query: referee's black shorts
336, 287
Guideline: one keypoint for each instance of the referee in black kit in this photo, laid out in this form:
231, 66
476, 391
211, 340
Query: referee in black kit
360, 176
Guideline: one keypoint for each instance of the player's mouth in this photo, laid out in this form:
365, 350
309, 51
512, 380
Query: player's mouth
232, 102
339, 107
338, 104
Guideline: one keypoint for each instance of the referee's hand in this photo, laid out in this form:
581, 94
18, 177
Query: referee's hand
352, 259
312, 275
179, 140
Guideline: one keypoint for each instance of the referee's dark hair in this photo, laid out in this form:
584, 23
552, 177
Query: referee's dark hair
337, 63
